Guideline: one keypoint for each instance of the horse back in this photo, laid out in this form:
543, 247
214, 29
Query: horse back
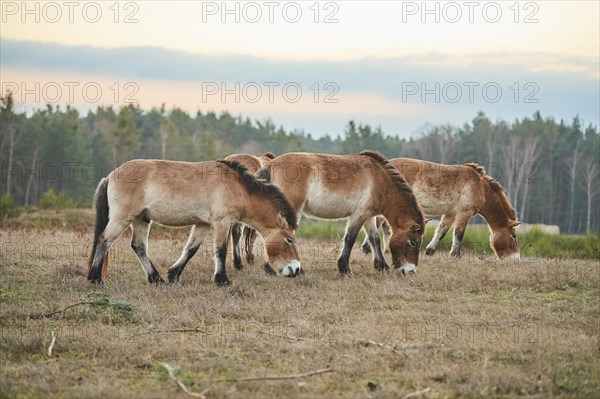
324, 185
250, 162
172, 192
442, 188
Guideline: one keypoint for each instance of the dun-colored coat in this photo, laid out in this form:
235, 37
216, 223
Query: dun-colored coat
203, 194
457, 193
356, 187
252, 164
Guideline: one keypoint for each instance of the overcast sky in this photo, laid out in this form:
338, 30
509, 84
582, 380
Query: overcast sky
310, 65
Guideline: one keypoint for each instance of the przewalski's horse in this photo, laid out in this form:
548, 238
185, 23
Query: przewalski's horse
253, 164
356, 187
203, 194
458, 192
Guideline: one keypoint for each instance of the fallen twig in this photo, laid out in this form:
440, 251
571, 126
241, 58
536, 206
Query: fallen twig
283, 377
68, 307
371, 342
174, 330
396, 347
171, 371
411, 395
51, 346
100, 300
288, 339
198, 330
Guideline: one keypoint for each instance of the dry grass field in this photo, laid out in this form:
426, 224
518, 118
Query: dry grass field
473, 327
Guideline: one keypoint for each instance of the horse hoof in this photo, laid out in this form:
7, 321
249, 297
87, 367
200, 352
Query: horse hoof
156, 279
381, 266
173, 279
98, 283
221, 280
429, 251
250, 259
238, 265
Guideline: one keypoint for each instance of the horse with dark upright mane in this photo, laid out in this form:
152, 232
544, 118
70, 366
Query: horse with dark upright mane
356, 187
207, 195
459, 192
252, 163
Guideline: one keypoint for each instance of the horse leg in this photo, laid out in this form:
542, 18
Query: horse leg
250, 239
373, 237
221, 233
236, 234
440, 232
387, 233
139, 244
197, 235
460, 226
112, 231
352, 229
366, 247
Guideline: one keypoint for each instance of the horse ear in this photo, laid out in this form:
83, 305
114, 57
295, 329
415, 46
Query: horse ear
427, 221
416, 227
515, 223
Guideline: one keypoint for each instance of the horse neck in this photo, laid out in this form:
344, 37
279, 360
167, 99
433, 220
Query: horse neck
399, 212
495, 210
260, 214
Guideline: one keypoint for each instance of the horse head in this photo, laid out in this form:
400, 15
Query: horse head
504, 241
405, 246
282, 253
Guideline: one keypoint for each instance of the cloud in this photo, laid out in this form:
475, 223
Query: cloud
433, 87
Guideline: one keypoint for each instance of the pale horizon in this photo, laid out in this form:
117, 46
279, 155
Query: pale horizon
372, 55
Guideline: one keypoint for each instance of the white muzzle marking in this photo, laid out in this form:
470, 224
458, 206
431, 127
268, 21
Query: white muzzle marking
515, 256
408, 268
292, 269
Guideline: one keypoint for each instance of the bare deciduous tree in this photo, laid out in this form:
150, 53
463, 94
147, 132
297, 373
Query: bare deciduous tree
530, 155
521, 156
589, 180
573, 167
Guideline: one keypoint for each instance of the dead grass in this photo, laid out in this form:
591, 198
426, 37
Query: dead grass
473, 327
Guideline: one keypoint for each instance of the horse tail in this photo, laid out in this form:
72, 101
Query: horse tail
101, 205
265, 173
268, 155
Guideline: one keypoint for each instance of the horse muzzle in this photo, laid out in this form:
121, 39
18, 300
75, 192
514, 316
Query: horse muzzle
407, 268
293, 269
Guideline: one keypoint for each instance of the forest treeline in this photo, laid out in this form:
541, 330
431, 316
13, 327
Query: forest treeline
549, 168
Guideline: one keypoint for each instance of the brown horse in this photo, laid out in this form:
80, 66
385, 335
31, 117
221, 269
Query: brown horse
356, 187
203, 194
252, 164
459, 192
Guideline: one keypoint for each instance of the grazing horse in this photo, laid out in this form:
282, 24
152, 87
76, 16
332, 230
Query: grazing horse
356, 187
459, 192
203, 194
252, 164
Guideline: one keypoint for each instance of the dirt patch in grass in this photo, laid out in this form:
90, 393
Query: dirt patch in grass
468, 327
